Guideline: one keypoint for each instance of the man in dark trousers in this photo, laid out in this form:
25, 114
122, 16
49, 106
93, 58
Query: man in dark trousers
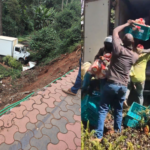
115, 89
74, 89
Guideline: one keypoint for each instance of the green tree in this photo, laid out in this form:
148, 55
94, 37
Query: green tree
43, 16
1, 28
45, 43
66, 18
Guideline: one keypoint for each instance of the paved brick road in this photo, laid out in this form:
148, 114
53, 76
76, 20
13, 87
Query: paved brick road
50, 120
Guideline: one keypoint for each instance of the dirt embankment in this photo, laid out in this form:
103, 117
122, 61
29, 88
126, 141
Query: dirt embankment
37, 78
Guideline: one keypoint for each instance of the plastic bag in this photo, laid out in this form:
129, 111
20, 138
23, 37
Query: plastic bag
84, 69
100, 67
140, 21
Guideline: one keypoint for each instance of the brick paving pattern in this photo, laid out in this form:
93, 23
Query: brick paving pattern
49, 120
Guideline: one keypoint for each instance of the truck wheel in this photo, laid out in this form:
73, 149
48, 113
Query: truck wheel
21, 60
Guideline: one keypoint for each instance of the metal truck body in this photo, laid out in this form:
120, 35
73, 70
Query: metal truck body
9, 46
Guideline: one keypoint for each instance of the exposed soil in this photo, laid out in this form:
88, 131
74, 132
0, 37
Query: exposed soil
4, 65
37, 78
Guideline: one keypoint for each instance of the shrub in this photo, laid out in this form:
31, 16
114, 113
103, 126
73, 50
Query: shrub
145, 117
6, 72
68, 26
10, 61
45, 42
72, 37
5, 59
68, 17
60, 37
14, 64
88, 144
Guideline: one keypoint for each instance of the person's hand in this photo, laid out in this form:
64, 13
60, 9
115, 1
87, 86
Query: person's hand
101, 58
130, 22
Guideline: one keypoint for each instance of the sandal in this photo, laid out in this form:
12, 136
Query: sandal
69, 92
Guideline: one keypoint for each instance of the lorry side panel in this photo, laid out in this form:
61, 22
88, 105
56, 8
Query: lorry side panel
121, 14
95, 27
5, 47
15, 42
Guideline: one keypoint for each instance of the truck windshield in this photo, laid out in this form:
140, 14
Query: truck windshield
24, 49
17, 49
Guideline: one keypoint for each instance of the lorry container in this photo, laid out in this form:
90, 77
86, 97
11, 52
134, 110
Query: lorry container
9, 46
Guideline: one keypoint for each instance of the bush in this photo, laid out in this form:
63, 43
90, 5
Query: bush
10, 61
6, 59
60, 37
45, 43
88, 144
72, 37
5, 72
68, 17
68, 26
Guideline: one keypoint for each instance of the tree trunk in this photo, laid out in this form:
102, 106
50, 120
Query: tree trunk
62, 5
1, 28
66, 2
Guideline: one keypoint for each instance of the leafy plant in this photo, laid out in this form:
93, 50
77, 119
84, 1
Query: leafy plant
72, 37
6, 72
68, 26
45, 43
112, 19
88, 144
10, 61
145, 118
43, 26
43, 16
86, 135
130, 146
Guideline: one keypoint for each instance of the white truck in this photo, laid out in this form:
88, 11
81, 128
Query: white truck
9, 46
97, 19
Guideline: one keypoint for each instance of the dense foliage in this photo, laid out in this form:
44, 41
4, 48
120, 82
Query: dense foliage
6, 72
68, 26
49, 27
107, 144
44, 42
59, 37
21, 17
13, 63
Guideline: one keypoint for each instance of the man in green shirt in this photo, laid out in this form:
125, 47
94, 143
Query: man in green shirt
138, 76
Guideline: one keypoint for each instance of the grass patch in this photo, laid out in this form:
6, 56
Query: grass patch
6, 72
13, 63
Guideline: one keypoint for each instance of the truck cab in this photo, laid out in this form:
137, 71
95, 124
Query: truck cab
20, 53
97, 26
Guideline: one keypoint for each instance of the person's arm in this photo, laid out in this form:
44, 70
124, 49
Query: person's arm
116, 39
119, 28
142, 51
146, 51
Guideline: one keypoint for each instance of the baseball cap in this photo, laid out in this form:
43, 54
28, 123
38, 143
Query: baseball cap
108, 39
